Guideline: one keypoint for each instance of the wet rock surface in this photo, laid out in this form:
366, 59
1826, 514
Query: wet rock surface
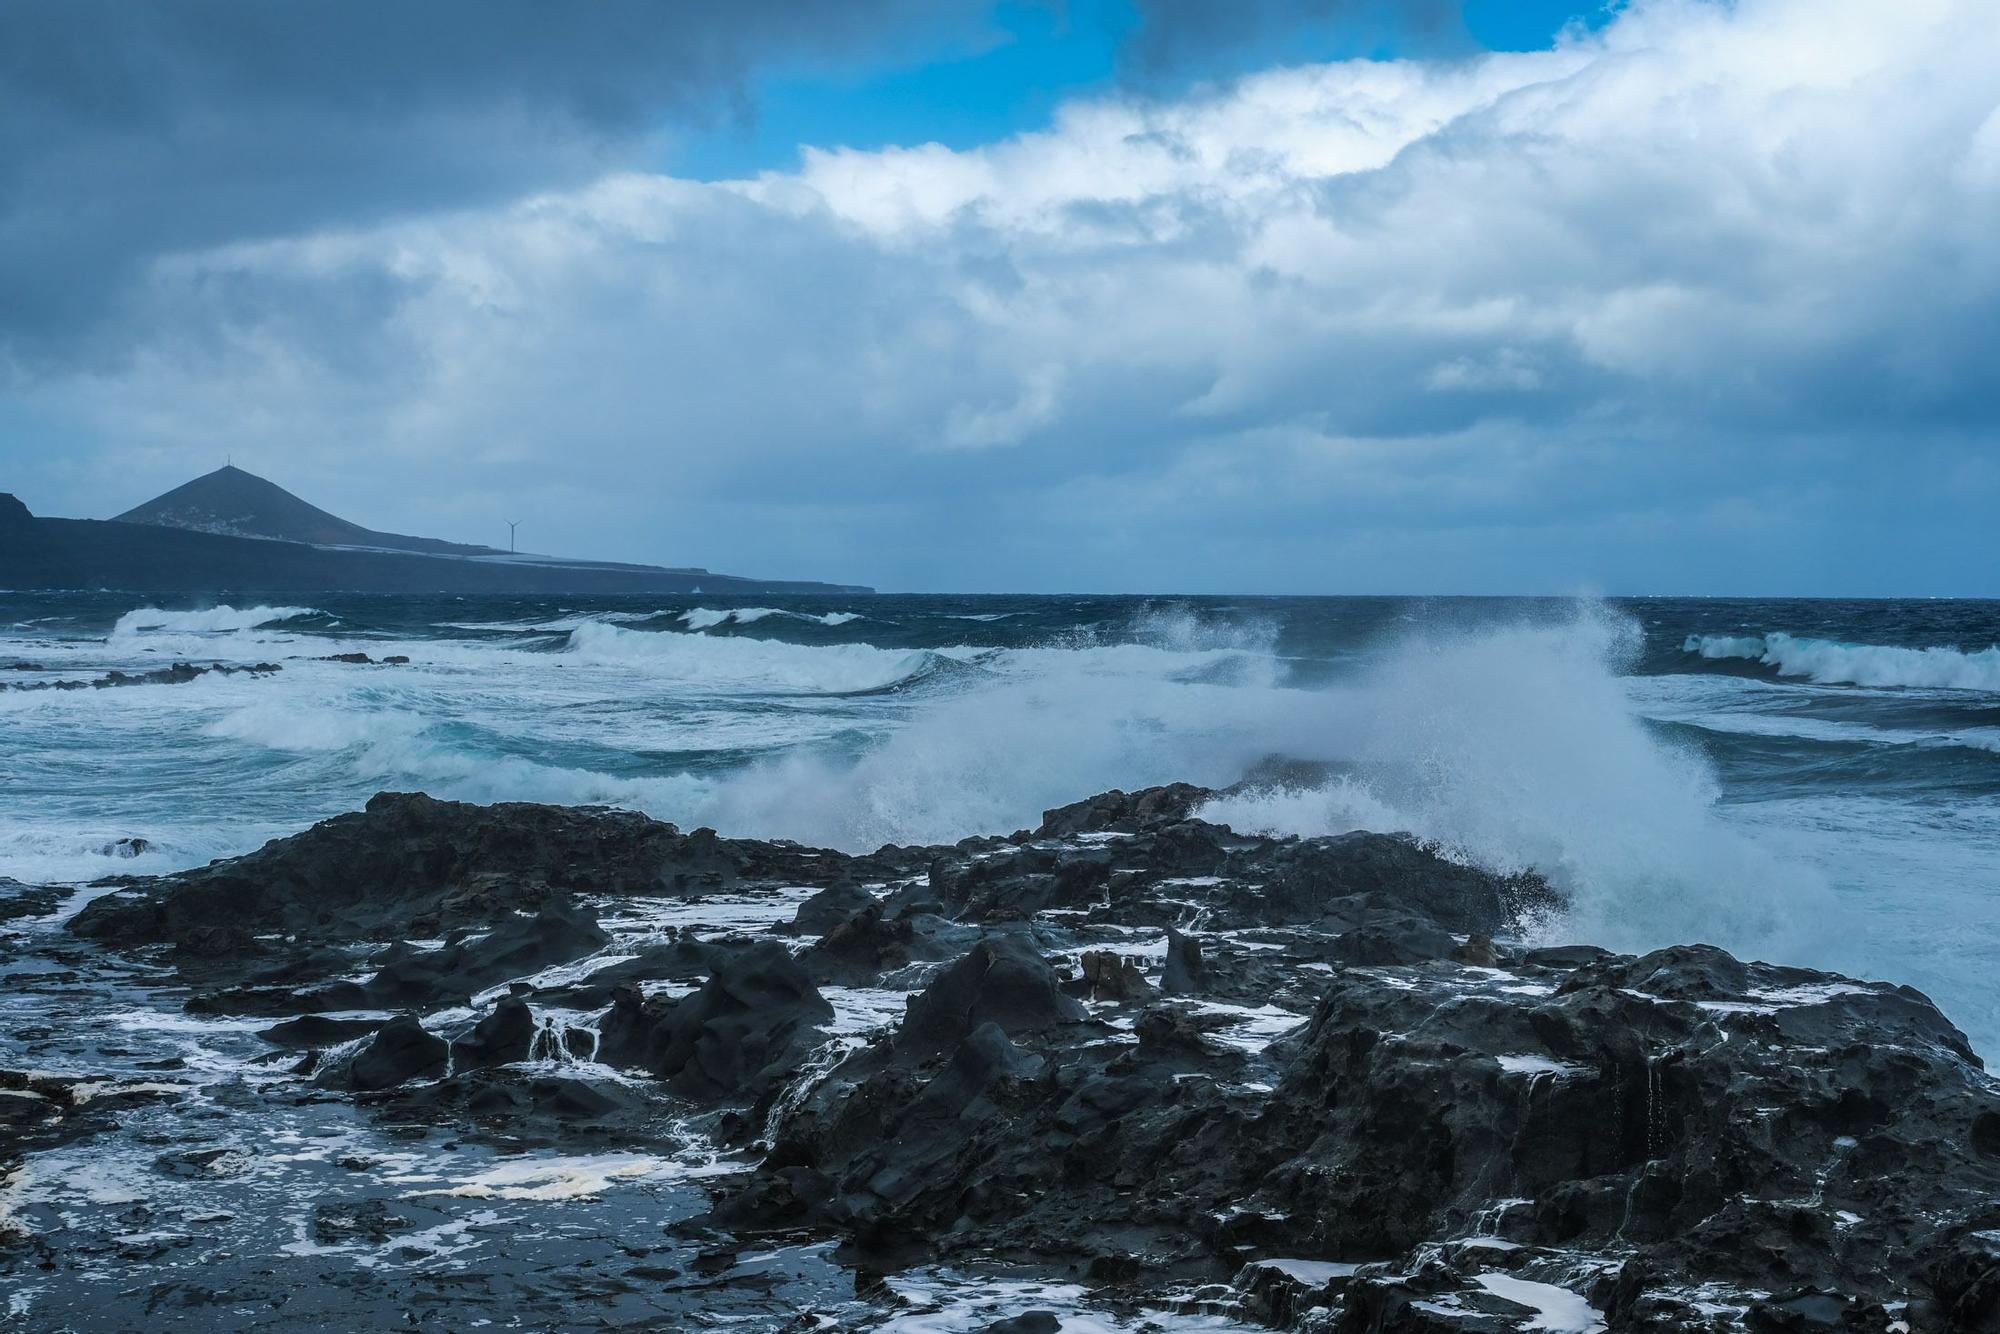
575, 1066
179, 674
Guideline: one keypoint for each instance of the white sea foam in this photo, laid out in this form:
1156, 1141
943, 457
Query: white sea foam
748, 664
1557, 1310
1513, 746
1037, 728
1830, 662
554, 1177
208, 621
61, 852
1516, 748
707, 618
945, 1301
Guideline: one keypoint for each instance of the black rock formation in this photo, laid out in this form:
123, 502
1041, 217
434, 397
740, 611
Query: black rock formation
1323, 1083
747, 1029
403, 1050
179, 674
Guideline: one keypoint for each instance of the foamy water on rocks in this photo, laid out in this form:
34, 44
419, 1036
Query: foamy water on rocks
1678, 771
1812, 782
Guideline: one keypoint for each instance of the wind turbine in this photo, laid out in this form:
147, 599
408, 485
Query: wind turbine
512, 524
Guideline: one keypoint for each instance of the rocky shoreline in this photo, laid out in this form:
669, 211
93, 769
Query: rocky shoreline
1193, 1075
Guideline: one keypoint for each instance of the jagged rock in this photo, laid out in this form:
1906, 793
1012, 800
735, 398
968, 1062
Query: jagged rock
358, 1220
1356, 1090
18, 900
1564, 958
869, 944
179, 674
831, 907
1184, 974
1309, 879
410, 865
746, 1028
1028, 1322
1393, 941
558, 933
504, 1036
533, 1105
1280, 1292
403, 1050
1001, 981
684, 960
1478, 950
1122, 811
316, 1030
1114, 977
20, 1105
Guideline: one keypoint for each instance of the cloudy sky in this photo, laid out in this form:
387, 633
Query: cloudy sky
1150, 295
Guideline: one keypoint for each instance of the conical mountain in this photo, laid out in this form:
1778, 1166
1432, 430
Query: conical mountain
235, 503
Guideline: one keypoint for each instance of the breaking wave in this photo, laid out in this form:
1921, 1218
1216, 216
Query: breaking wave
1829, 662
730, 664
1512, 748
208, 621
1513, 737
1518, 748
707, 618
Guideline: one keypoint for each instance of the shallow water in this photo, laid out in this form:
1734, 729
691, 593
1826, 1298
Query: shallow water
1813, 782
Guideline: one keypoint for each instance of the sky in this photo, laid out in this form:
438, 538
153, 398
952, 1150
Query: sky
1288, 296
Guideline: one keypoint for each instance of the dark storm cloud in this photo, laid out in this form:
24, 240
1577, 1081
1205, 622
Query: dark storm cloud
1687, 303
130, 131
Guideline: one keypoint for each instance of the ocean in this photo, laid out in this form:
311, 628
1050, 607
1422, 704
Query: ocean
1812, 782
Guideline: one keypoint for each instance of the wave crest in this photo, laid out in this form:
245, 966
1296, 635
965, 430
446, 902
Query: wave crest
207, 621
751, 664
1830, 662
1518, 748
708, 618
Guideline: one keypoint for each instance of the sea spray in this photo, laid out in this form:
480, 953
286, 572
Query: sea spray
1517, 748
1830, 662
1700, 798
208, 621
729, 664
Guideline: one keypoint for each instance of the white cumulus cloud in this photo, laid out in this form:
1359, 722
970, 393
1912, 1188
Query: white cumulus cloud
1523, 321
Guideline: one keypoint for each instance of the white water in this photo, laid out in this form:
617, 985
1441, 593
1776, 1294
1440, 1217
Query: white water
213, 620
709, 663
1833, 663
1513, 746
1519, 749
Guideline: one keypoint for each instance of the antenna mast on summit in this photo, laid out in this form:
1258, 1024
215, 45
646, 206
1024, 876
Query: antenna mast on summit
512, 524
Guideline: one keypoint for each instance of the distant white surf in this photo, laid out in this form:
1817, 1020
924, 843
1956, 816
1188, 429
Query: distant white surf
1830, 662
749, 664
208, 621
707, 618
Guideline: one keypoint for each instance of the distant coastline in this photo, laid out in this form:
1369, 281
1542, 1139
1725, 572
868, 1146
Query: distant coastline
232, 531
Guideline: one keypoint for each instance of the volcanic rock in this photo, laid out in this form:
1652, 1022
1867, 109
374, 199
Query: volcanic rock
504, 1036
1001, 981
743, 1032
403, 1050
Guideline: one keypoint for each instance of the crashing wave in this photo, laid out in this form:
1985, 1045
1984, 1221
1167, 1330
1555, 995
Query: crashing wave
707, 618
1830, 662
207, 621
750, 664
